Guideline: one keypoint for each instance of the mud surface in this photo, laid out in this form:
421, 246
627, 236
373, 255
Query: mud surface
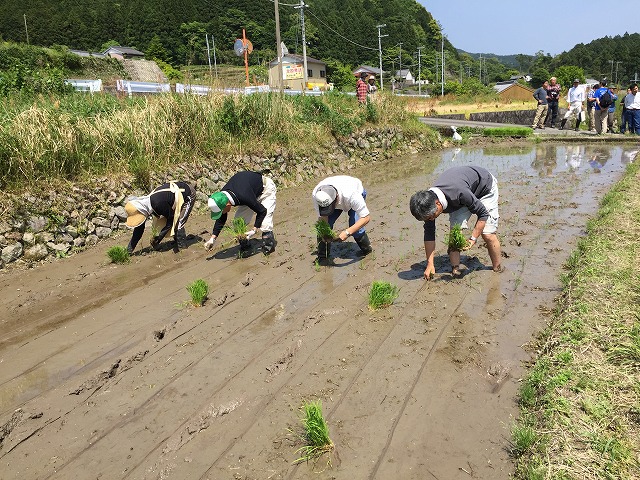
106, 372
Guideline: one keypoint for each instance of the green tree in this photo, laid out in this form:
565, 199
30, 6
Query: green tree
567, 73
155, 50
539, 75
340, 75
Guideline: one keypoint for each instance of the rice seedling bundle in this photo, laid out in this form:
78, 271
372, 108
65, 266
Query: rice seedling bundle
118, 254
324, 231
198, 291
455, 239
238, 228
382, 294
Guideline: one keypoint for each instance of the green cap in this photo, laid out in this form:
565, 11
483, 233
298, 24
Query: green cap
217, 202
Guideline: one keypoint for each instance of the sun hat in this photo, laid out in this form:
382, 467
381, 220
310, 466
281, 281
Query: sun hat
134, 217
325, 197
217, 202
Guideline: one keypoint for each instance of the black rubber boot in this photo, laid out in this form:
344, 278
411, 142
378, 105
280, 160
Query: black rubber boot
130, 248
564, 120
364, 244
324, 250
245, 247
268, 243
181, 238
578, 124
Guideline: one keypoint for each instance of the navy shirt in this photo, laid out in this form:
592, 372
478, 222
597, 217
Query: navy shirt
462, 187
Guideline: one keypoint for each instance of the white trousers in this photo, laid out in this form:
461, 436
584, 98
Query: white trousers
268, 200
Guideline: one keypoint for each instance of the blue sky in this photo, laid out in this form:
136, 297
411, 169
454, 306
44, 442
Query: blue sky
506, 27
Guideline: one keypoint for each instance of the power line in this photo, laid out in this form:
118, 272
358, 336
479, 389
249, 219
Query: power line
336, 32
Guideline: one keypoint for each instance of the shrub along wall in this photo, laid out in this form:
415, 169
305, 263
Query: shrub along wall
71, 216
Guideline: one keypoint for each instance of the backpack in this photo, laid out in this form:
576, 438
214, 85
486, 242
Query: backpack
606, 100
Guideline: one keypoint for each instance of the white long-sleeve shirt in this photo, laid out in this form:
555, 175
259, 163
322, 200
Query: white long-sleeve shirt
575, 95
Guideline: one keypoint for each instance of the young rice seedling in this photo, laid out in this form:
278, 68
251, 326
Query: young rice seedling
316, 433
382, 294
118, 254
198, 291
455, 239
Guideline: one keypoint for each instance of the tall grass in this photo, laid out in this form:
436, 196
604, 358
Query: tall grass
69, 135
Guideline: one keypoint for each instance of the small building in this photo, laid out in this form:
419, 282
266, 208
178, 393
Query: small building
293, 73
512, 90
83, 53
405, 76
366, 70
122, 53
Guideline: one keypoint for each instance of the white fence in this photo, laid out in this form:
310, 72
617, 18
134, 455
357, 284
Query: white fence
130, 87
80, 85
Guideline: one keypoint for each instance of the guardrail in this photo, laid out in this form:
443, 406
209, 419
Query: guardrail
81, 85
130, 87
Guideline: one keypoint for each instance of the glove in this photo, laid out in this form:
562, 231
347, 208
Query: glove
250, 233
208, 245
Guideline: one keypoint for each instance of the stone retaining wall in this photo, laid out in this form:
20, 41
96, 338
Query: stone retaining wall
64, 220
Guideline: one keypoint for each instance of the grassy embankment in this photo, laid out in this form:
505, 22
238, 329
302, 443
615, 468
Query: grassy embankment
580, 402
70, 136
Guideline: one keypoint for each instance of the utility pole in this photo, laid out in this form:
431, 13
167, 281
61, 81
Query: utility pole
480, 74
442, 63
206, 37
617, 63
215, 61
611, 76
304, 47
25, 27
380, 52
400, 69
279, 49
419, 72
461, 70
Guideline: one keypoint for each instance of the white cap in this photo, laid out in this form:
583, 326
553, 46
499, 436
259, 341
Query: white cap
323, 198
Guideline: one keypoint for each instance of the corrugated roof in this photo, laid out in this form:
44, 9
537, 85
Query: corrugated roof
124, 50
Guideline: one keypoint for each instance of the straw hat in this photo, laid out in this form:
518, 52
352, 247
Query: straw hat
134, 217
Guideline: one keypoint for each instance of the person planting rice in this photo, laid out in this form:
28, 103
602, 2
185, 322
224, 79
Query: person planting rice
331, 197
170, 205
460, 192
252, 193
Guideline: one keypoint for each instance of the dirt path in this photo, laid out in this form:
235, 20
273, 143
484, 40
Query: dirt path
105, 373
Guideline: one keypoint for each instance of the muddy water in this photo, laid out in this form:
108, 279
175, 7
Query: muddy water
424, 389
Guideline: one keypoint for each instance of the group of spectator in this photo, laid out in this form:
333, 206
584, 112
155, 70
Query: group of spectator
600, 107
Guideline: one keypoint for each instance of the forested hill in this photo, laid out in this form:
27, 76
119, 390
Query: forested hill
174, 30
603, 56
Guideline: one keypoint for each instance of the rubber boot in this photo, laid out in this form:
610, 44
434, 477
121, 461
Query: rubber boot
181, 238
578, 124
268, 243
364, 244
324, 250
245, 247
564, 120
130, 248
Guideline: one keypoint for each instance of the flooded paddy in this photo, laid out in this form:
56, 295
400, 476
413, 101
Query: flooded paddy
105, 372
